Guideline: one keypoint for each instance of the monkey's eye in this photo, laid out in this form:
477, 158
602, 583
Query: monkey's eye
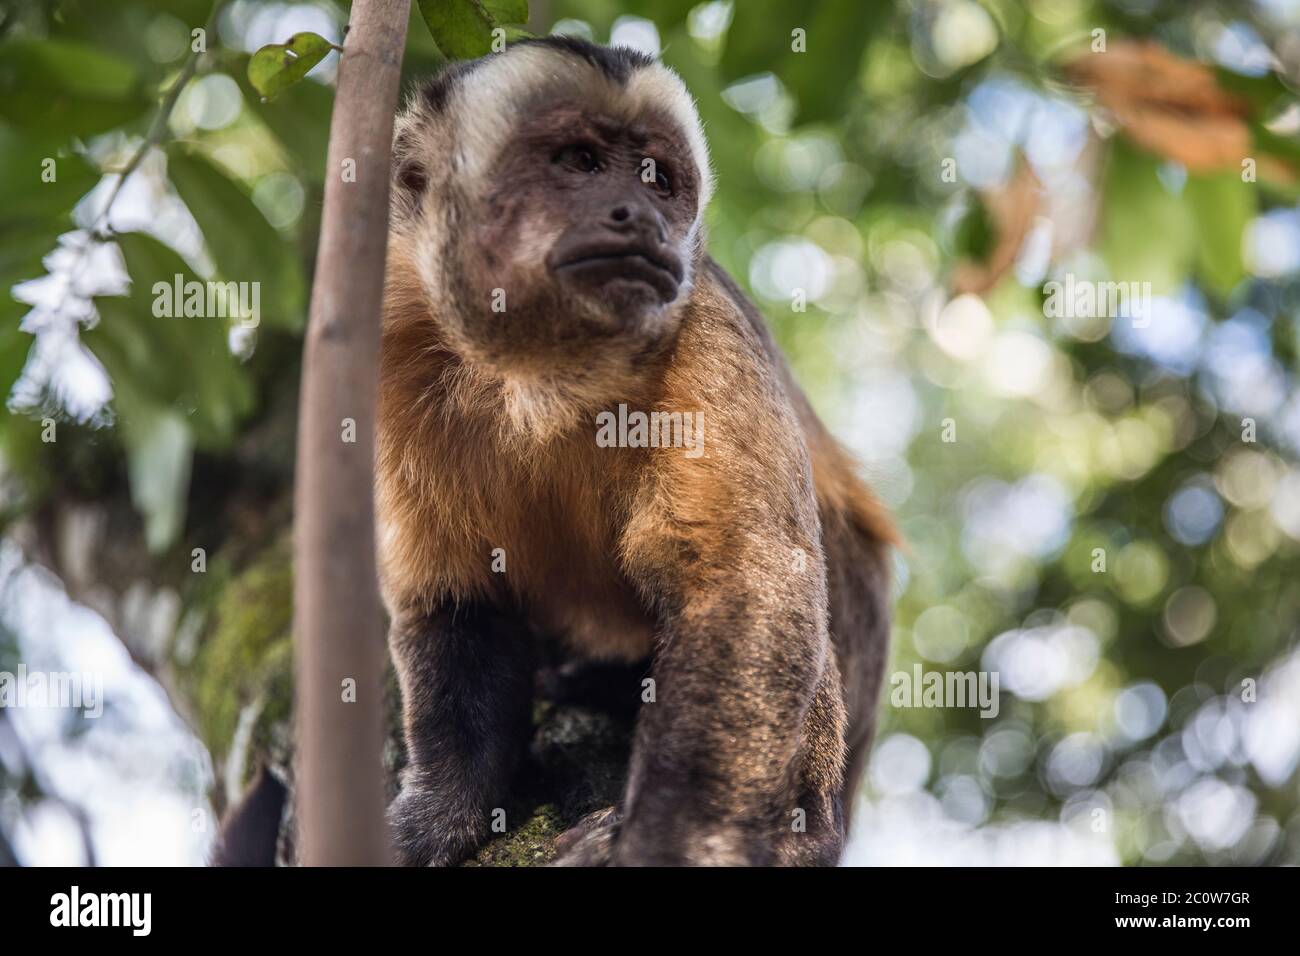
663, 185
579, 157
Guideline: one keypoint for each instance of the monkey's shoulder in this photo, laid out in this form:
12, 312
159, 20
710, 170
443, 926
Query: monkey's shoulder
840, 489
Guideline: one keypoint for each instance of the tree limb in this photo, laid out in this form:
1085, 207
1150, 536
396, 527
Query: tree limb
337, 618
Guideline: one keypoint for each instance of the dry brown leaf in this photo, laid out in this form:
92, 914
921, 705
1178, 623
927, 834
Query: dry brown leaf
1170, 106
1012, 210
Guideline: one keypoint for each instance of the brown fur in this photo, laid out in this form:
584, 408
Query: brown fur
754, 575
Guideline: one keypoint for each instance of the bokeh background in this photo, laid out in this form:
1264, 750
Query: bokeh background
1115, 529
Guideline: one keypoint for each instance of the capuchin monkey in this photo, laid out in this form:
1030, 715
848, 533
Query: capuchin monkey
587, 436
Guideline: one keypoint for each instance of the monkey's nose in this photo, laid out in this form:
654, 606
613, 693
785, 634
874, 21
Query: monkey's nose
637, 217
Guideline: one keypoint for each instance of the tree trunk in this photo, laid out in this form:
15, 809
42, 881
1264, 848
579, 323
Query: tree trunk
338, 620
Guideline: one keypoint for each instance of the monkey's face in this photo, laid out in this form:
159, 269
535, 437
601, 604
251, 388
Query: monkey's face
589, 230
573, 230
624, 211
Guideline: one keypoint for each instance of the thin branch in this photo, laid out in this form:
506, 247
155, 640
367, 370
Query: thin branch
338, 620
98, 229
158, 128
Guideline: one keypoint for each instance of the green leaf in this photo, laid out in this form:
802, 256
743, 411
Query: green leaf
27, 193
277, 66
65, 88
1286, 147
667, 15
1263, 93
508, 11
22, 254
159, 450
299, 118
733, 139
825, 72
183, 364
15, 344
1148, 234
131, 29
1223, 206
973, 237
1279, 162
245, 246
463, 28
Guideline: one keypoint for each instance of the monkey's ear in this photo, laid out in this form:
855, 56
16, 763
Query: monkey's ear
410, 177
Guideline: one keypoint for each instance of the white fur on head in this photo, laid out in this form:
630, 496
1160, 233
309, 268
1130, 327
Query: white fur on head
486, 101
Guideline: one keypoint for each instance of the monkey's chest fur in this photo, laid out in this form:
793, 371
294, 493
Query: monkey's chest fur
559, 561
469, 513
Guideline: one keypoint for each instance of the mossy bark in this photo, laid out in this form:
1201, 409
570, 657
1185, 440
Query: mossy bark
240, 682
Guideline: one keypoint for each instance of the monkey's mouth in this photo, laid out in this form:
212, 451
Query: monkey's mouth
602, 263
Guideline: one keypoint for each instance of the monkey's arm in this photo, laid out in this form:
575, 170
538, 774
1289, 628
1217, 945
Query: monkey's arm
720, 759
747, 722
466, 680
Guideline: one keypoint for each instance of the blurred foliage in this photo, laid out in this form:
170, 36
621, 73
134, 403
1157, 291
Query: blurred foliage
1115, 528
463, 29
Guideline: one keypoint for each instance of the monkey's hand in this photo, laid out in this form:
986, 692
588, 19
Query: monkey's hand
590, 842
466, 690
738, 758
425, 829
